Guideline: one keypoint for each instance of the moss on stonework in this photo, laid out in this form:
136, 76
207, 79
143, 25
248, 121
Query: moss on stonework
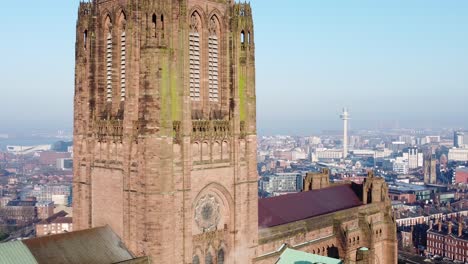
174, 98
242, 96
165, 93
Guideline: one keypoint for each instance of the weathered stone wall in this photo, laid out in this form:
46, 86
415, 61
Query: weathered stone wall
175, 178
338, 234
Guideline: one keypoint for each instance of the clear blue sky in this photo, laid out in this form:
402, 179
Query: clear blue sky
389, 61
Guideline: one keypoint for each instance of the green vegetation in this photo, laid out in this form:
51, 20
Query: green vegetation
242, 95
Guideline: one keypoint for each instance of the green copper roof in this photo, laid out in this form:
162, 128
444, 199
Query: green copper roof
291, 256
15, 253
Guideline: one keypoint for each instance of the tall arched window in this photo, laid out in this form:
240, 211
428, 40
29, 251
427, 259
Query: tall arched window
196, 260
208, 258
108, 60
213, 53
154, 29
221, 256
242, 36
194, 53
162, 26
123, 58
85, 39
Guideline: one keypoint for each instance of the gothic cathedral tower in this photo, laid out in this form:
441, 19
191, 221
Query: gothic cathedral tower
165, 127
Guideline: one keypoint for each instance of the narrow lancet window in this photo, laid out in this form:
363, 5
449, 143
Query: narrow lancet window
154, 26
242, 37
221, 256
109, 66
213, 67
85, 39
162, 26
123, 62
194, 53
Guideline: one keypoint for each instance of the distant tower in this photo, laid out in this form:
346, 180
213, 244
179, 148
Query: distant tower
345, 117
458, 139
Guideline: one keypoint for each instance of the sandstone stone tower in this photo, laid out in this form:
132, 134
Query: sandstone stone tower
165, 127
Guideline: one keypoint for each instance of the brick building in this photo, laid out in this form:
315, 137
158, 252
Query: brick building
165, 143
19, 213
45, 209
448, 239
56, 224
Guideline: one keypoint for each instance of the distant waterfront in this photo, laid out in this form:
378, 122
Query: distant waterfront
29, 141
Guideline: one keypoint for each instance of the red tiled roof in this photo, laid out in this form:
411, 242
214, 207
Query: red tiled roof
285, 209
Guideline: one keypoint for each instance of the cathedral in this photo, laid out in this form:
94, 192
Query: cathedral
165, 144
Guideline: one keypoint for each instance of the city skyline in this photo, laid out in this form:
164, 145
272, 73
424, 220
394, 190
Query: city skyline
393, 64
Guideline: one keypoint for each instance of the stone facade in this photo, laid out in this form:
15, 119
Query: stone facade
317, 180
165, 139
165, 127
342, 234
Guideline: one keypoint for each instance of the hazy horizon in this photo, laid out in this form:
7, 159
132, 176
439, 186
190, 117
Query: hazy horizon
393, 63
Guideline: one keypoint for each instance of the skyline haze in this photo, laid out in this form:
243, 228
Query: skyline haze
392, 63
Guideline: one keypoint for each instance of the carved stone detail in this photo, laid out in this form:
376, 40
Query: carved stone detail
210, 130
207, 213
109, 130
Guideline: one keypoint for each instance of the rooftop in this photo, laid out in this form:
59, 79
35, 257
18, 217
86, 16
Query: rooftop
295, 256
289, 208
92, 246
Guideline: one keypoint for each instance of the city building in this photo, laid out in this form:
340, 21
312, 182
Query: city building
458, 139
448, 239
415, 158
410, 192
400, 165
19, 213
55, 224
165, 144
327, 155
64, 164
460, 155
58, 193
461, 176
45, 209
281, 183
26, 150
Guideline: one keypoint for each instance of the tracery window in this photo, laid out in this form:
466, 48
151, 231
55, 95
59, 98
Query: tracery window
194, 53
213, 67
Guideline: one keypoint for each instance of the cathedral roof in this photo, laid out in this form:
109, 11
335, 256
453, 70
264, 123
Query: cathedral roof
295, 256
92, 246
285, 209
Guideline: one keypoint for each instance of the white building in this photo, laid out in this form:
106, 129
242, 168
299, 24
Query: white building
24, 150
458, 154
327, 154
400, 165
282, 183
415, 158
